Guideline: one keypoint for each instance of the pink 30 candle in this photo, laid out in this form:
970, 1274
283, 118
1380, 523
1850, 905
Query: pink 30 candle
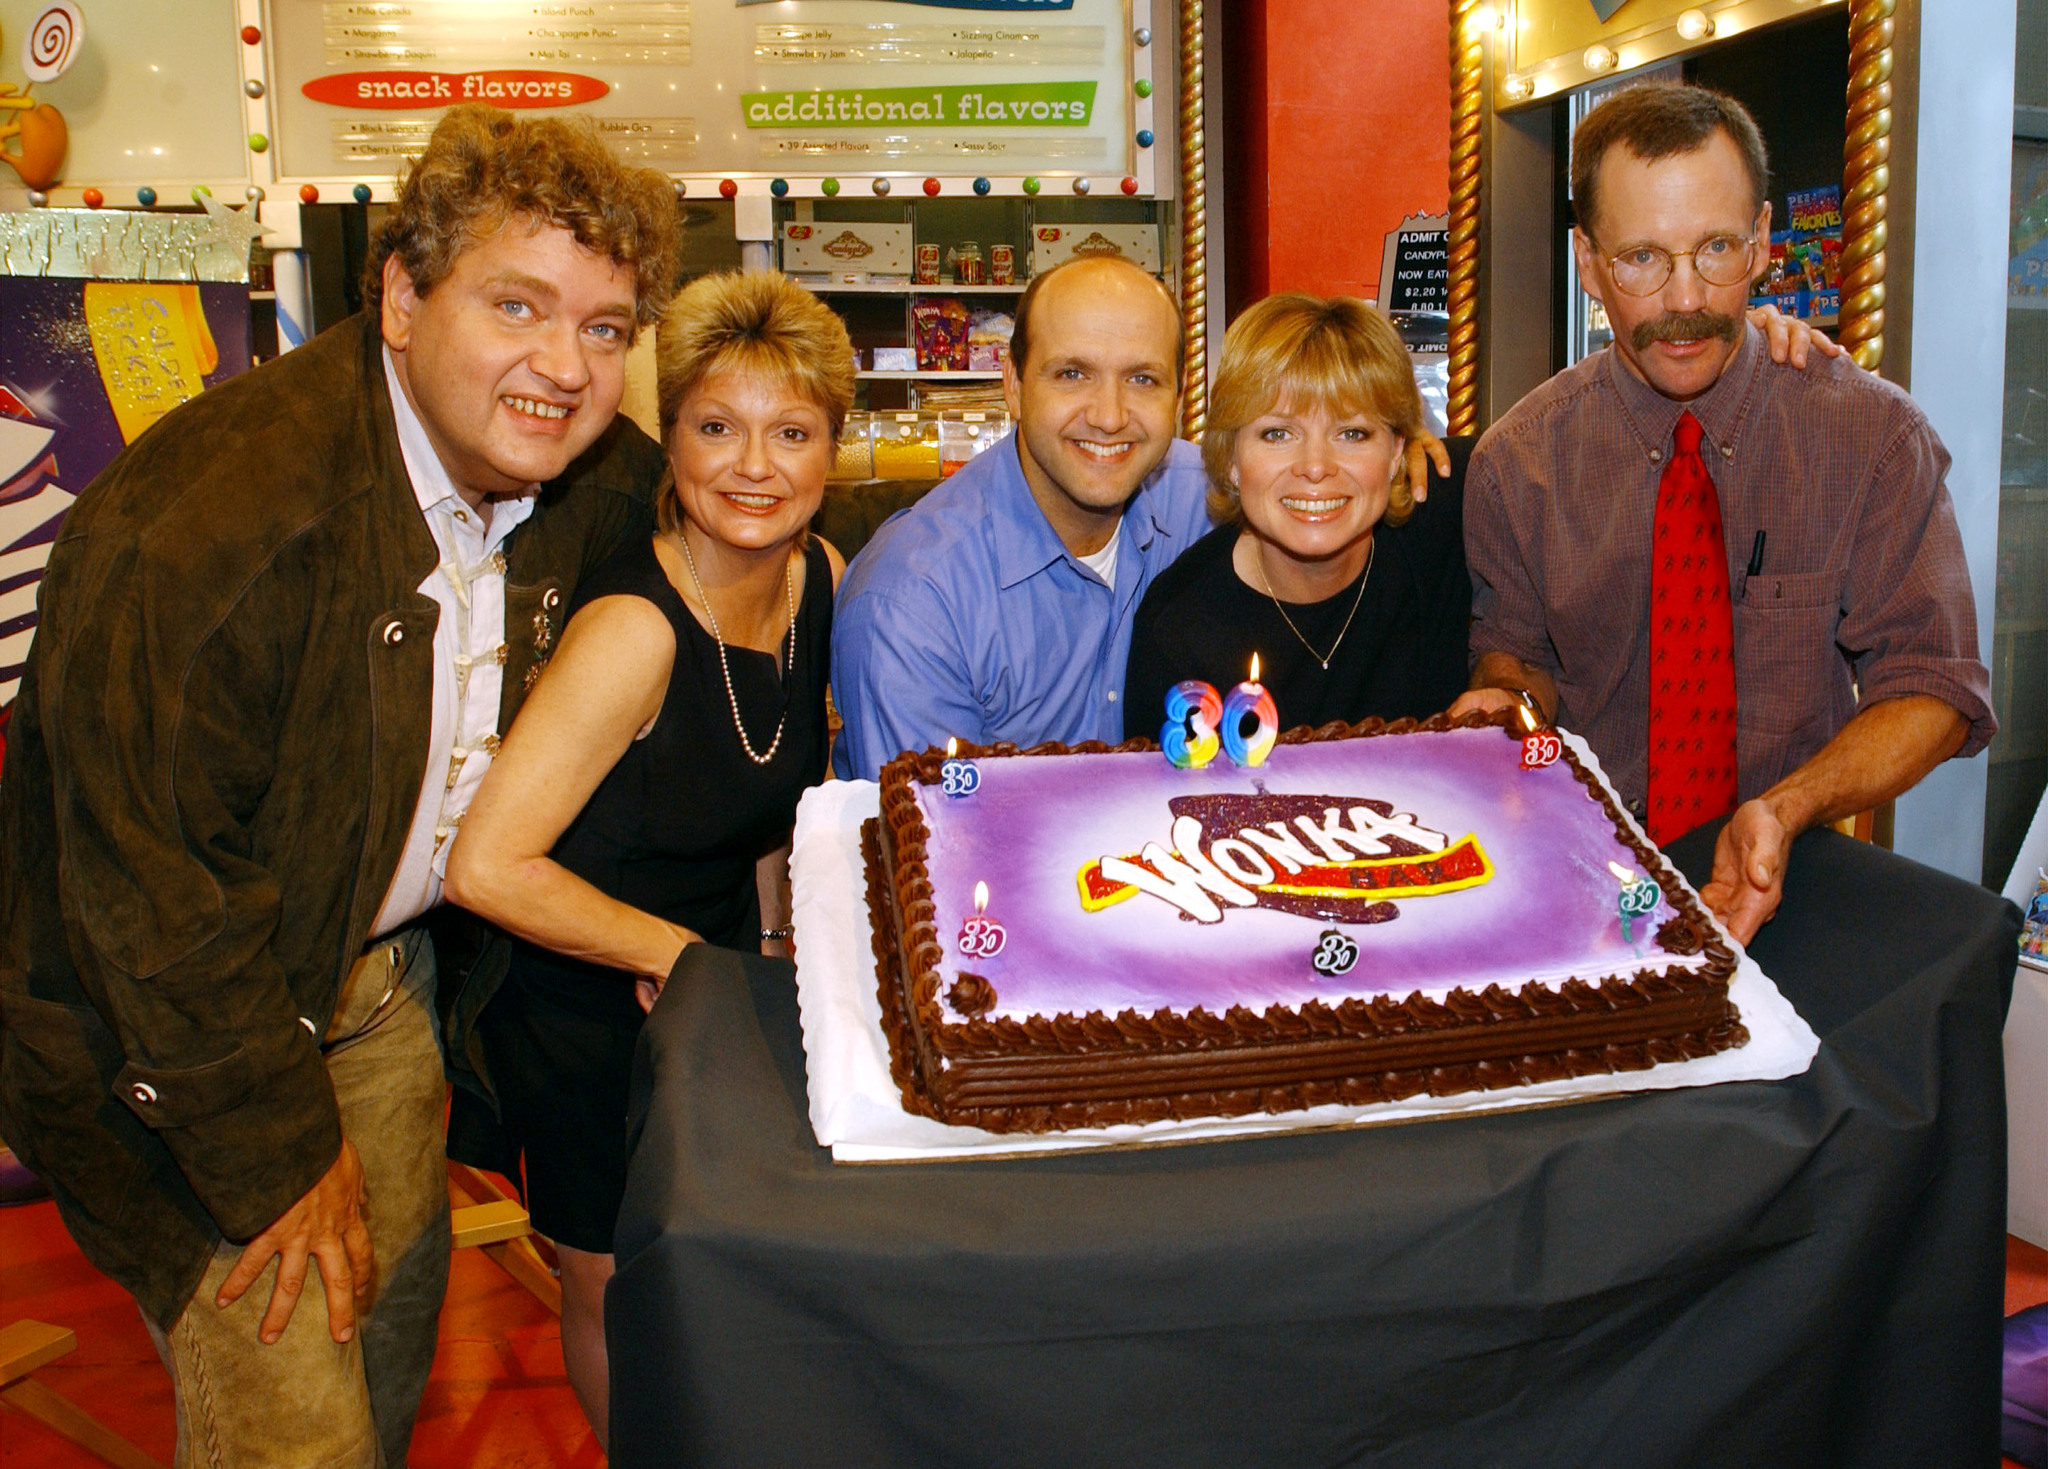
981, 937
1250, 699
1193, 711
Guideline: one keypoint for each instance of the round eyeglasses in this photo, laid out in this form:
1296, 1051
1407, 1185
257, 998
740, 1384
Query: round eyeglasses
1720, 260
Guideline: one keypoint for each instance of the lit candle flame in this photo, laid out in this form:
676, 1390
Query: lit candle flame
1529, 723
1628, 878
952, 746
980, 898
1255, 668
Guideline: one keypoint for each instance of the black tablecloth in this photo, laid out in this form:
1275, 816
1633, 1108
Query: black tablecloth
1763, 1273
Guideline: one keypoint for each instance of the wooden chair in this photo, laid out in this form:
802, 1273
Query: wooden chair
486, 1218
1874, 825
27, 1345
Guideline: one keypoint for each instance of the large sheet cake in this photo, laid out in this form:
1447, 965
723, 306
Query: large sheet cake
1373, 913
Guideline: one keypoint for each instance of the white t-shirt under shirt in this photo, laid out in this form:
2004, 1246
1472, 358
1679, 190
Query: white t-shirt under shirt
1103, 562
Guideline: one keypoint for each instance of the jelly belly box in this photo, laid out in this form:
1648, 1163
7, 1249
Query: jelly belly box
1055, 244
847, 253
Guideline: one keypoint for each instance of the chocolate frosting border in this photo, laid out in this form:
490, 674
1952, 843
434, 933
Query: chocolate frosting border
1007, 1075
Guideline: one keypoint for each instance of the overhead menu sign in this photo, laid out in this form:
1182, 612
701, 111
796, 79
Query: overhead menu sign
999, 43
1009, 87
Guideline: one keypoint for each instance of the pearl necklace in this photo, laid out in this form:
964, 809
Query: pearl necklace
1371, 550
789, 587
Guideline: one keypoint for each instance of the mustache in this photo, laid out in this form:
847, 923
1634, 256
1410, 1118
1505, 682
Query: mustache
1685, 326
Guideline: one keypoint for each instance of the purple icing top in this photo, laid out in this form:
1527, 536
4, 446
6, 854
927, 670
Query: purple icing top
1241, 874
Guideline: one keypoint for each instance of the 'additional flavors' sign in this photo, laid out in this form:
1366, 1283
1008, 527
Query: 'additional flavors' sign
1018, 104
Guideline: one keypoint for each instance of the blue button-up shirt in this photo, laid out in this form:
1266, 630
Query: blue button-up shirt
966, 616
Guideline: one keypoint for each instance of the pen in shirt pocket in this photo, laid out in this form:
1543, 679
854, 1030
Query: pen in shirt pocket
1756, 565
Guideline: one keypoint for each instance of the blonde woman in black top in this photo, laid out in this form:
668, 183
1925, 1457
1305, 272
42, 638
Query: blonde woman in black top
1353, 594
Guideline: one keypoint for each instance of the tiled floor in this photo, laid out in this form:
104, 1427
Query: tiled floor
497, 1397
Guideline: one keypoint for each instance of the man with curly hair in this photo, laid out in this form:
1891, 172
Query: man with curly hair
279, 637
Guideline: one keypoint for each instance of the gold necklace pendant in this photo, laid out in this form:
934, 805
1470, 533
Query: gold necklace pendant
1371, 552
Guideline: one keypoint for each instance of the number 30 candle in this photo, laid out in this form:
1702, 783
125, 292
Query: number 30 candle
981, 937
1250, 698
1639, 897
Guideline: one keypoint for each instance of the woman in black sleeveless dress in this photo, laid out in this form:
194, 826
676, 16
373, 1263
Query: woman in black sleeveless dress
643, 800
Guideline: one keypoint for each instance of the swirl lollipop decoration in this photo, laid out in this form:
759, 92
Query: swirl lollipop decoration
1193, 711
37, 129
52, 42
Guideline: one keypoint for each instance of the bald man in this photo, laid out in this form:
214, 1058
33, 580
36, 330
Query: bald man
999, 606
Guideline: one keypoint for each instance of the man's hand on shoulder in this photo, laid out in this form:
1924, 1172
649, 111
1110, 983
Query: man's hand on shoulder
326, 1224
1424, 450
1791, 339
1749, 869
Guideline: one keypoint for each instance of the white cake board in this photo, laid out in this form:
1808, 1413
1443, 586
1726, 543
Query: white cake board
857, 1111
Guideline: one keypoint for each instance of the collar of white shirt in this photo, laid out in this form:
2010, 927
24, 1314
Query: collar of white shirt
430, 482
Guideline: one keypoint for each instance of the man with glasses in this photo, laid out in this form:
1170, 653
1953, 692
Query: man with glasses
1742, 583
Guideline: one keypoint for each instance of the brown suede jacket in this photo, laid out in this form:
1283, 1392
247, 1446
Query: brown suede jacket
212, 766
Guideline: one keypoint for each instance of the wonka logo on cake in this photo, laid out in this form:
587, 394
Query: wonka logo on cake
1343, 858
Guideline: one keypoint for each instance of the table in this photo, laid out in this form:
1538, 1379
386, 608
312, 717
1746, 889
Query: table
1765, 1273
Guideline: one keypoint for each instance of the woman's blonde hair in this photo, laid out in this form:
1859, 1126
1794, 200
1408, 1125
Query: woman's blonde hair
758, 322
1302, 351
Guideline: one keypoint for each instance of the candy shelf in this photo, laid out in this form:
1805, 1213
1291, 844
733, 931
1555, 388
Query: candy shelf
937, 375
906, 288
879, 313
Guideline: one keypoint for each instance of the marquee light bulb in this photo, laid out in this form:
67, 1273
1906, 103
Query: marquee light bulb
1695, 25
1518, 87
1601, 58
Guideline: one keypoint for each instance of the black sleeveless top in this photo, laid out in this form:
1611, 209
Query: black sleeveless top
676, 827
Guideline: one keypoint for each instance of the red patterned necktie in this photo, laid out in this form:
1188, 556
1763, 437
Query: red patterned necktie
1692, 649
